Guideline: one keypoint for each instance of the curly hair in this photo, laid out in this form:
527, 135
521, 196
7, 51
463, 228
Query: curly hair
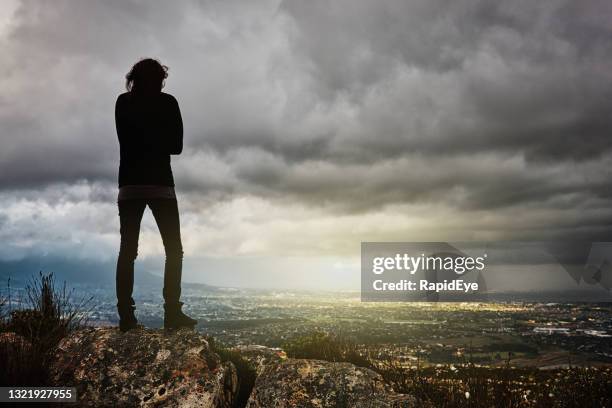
146, 75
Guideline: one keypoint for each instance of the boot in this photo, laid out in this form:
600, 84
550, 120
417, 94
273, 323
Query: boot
174, 318
127, 319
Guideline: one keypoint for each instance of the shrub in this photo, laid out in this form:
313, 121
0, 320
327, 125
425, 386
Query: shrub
29, 336
323, 346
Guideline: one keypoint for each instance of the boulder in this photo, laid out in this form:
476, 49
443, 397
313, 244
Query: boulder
260, 356
316, 383
143, 367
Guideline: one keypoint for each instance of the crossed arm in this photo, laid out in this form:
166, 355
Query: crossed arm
139, 130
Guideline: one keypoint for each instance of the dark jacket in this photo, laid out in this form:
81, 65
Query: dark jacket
150, 129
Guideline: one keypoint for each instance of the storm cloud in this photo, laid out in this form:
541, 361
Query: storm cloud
311, 126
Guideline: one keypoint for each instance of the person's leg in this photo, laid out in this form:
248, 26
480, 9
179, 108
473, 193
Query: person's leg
166, 215
130, 215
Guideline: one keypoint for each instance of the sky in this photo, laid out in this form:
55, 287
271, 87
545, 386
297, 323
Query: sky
309, 128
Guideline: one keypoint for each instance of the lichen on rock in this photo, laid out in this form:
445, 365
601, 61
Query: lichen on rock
144, 367
317, 384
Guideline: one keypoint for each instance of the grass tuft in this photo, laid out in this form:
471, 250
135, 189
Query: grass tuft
29, 336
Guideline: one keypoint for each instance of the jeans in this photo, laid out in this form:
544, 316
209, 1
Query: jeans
166, 215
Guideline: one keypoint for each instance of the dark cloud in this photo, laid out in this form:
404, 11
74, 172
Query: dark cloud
462, 77
344, 107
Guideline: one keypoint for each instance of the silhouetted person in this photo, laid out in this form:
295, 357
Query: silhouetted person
150, 129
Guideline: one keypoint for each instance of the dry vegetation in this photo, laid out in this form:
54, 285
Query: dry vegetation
469, 385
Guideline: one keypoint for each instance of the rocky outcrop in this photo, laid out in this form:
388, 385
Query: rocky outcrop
153, 368
147, 368
317, 384
260, 356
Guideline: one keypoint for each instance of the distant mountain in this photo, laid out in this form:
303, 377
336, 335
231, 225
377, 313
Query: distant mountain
78, 272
